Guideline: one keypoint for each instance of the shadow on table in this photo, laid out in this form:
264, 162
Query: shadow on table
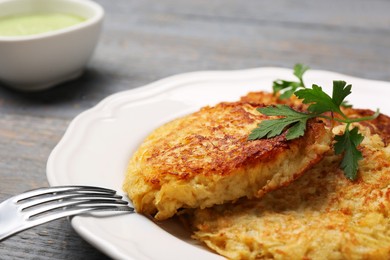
61, 93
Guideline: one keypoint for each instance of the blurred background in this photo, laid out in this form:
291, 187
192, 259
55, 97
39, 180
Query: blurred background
143, 41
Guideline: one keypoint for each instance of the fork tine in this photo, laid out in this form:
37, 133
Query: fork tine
72, 203
79, 211
66, 213
26, 204
105, 201
61, 189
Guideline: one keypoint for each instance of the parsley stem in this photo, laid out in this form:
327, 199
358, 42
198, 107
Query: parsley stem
347, 127
351, 120
375, 115
302, 83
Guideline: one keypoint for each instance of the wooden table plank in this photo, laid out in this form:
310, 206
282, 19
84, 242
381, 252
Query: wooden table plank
144, 41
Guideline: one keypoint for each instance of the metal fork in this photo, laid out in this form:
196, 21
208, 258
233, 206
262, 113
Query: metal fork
39, 206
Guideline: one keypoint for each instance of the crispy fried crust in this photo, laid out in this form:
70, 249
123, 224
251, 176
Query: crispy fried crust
268, 99
322, 215
205, 159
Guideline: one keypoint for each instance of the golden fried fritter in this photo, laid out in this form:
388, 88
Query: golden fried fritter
322, 215
205, 158
267, 99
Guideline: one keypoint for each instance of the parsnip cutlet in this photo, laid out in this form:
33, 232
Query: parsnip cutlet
322, 215
205, 158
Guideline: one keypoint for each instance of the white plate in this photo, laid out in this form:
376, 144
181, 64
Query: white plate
98, 143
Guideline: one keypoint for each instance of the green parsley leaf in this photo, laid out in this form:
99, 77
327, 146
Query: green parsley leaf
347, 143
319, 101
287, 88
299, 70
340, 91
274, 127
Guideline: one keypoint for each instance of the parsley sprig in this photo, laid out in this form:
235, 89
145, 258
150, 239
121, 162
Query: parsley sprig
320, 106
287, 88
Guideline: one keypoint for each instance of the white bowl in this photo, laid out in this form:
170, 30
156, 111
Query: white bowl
37, 62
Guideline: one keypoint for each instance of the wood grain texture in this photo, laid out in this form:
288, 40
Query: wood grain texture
144, 41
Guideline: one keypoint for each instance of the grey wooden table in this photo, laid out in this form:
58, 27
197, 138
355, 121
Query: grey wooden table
144, 41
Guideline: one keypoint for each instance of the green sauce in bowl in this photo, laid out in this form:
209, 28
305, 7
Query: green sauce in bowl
36, 23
